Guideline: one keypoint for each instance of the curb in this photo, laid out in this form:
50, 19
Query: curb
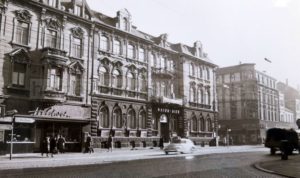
258, 167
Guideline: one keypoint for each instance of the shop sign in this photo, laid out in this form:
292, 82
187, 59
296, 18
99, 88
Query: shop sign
6, 119
5, 127
24, 120
163, 118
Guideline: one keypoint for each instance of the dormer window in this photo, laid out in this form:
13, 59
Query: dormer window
124, 24
78, 10
52, 3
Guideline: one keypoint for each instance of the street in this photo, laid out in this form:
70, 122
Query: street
190, 165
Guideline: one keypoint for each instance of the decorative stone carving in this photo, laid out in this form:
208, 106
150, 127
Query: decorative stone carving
19, 56
52, 23
77, 32
23, 15
76, 68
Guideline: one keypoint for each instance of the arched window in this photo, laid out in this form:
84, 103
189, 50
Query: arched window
104, 43
117, 118
130, 81
209, 125
103, 76
131, 53
192, 94
199, 94
125, 24
103, 117
200, 72
117, 47
163, 89
202, 124
142, 83
194, 124
192, 70
142, 119
116, 79
131, 121
207, 96
141, 55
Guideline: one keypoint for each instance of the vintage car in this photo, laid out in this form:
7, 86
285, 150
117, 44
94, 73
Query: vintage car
180, 145
275, 137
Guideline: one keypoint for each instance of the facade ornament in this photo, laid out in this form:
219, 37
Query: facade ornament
23, 15
52, 23
77, 32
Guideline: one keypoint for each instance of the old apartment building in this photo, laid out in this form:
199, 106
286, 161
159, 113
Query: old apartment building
67, 70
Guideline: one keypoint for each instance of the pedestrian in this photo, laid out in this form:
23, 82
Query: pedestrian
88, 144
61, 144
161, 142
53, 146
109, 143
45, 145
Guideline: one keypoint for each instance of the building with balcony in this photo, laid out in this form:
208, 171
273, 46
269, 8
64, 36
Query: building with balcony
248, 104
75, 70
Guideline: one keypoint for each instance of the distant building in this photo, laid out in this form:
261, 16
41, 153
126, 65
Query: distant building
291, 98
287, 118
248, 103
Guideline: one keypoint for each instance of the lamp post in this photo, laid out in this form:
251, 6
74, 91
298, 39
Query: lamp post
216, 123
12, 114
227, 133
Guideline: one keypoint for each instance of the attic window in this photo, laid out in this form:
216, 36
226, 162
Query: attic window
78, 10
124, 24
52, 3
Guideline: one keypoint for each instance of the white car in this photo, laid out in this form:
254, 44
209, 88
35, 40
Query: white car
181, 145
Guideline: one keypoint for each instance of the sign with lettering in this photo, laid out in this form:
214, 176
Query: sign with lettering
6, 119
24, 120
163, 118
5, 127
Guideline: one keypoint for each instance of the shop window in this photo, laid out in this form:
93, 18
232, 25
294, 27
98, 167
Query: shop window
22, 33
131, 121
23, 133
18, 75
142, 118
55, 79
117, 47
104, 118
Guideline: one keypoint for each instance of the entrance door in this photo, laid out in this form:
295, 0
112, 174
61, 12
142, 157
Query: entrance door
164, 131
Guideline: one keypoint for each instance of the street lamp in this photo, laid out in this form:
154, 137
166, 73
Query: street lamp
12, 114
227, 133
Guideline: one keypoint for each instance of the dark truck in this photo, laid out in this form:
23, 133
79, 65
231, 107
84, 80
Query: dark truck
276, 136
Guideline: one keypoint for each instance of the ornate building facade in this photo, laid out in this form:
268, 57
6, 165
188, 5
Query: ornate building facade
74, 70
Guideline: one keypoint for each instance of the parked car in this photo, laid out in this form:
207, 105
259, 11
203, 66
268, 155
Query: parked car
276, 136
180, 145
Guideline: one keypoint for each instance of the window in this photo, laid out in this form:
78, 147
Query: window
22, 32
208, 74
55, 82
78, 10
194, 124
142, 84
192, 94
52, 3
200, 95
76, 84
116, 79
118, 118
200, 72
131, 119
142, 118
192, 69
202, 124
124, 24
209, 125
103, 76
77, 47
163, 63
131, 51
18, 75
141, 55
103, 117
171, 65
152, 60
163, 89
117, 47
52, 40
130, 81
104, 43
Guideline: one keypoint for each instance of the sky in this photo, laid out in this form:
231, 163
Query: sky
231, 31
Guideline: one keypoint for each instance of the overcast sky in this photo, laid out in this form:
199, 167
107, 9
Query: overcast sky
231, 31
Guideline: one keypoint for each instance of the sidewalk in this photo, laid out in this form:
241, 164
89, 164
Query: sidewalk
288, 168
101, 156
